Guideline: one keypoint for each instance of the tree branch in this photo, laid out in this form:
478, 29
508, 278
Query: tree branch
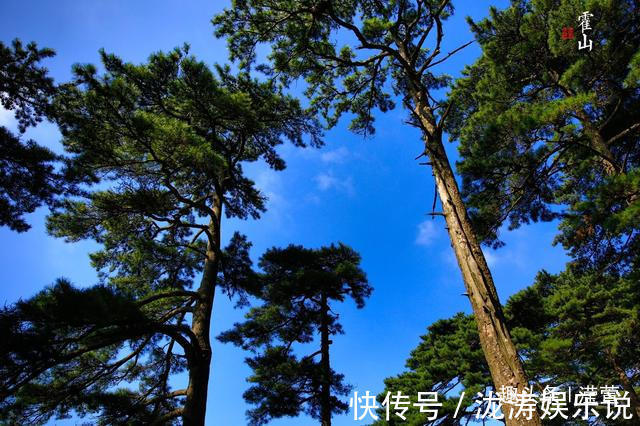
176, 293
623, 133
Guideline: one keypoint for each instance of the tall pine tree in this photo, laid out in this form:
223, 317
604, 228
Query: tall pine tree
299, 290
399, 41
164, 144
548, 131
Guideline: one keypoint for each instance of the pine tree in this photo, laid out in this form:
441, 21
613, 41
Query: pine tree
299, 289
27, 170
547, 130
593, 337
551, 131
448, 357
163, 144
571, 329
387, 48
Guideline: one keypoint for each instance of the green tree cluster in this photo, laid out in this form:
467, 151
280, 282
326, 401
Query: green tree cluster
355, 56
154, 159
549, 131
298, 288
570, 329
163, 145
27, 170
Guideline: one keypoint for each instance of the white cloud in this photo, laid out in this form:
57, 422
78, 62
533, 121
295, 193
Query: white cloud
491, 257
514, 257
269, 183
335, 156
6, 117
427, 233
327, 181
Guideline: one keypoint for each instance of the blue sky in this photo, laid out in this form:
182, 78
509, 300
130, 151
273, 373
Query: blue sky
370, 194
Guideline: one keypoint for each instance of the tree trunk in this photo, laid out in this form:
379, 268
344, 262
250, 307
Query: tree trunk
499, 350
598, 145
325, 398
200, 363
605, 157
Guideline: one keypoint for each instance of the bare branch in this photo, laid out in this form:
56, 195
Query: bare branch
450, 54
623, 133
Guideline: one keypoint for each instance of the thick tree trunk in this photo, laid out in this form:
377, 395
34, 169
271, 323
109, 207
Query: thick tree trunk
499, 350
325, 398
200, 362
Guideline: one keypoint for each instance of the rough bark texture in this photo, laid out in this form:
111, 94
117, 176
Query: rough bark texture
200, 360
499, 350
325, 398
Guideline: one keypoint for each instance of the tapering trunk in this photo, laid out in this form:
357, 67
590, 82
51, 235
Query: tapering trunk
500, 352
200, 363
325, 399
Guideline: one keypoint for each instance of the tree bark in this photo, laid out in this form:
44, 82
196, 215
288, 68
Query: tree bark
200, 363
325, 398
607, 160
598, 144
499, 350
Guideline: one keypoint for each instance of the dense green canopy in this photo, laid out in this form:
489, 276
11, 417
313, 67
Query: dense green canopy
299, 291
27, 170
547, 130
163, 144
